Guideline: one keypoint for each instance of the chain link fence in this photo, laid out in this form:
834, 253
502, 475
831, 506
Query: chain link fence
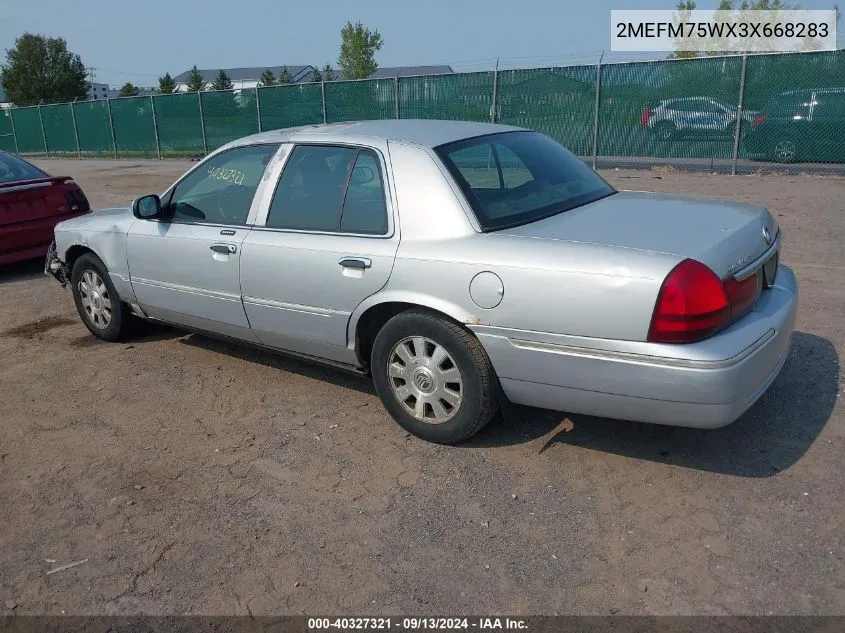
711, 112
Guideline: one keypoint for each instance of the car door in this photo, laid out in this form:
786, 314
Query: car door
827, 125
184, 269
325, 242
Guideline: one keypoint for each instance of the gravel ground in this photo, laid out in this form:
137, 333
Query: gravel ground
193, 476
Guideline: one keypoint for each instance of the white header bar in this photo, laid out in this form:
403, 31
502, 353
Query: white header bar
779, 30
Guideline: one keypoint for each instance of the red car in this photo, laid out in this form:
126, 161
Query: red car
31, 203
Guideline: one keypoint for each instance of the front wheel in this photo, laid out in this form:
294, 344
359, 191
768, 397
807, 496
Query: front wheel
97, 301
433, 377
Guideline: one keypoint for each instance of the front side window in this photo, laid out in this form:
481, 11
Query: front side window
330, 188
220, 191
518, 177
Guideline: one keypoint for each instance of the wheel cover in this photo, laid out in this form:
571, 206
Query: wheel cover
425, 379
785, 149
95, 298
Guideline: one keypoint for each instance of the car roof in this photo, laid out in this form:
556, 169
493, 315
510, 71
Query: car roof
424, 132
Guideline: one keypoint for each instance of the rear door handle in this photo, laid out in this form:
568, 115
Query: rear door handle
227, 249
356, 262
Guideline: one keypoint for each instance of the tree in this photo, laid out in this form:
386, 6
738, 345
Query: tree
128, 90
316, 76
285, 76
267, 78
222, 81
166, 85
42, 68
328, 73
358, 47
196, 82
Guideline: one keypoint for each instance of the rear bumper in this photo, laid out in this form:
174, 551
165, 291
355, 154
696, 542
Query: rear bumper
704, 385
28, 240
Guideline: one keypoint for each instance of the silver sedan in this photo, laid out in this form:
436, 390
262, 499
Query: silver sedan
456, 263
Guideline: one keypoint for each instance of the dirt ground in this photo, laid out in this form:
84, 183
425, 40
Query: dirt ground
192, 476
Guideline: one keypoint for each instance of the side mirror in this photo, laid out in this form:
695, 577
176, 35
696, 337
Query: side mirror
147, 207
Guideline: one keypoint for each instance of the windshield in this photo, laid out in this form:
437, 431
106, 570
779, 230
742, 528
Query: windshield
514, 178
13, 169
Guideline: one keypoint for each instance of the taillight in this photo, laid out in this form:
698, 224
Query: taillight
759, 120
76, 201
743, 294
645, 115
692, 305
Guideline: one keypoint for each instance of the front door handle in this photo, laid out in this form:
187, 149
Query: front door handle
356, 262
226, 249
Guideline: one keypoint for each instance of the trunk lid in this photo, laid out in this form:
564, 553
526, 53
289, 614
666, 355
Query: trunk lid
725, 236
37, 199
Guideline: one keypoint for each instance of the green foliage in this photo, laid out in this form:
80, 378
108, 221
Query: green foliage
267, 78
285, 76
316, 75
42, 68
128, 90
358, 47
195, 82
222, 81
328, 73
166, 85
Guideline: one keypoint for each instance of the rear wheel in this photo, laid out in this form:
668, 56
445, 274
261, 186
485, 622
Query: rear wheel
97, 301
433, 377
785, 150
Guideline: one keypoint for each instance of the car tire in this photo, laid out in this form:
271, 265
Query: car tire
97, 301
433, 377
665, 131
784, 150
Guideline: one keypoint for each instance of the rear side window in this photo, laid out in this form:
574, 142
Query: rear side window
13, 169
330, 188
519, 177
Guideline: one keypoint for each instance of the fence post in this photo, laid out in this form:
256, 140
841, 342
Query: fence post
739, 108
495, 104
202, 124
75, 129
396, 93
323, 92
155, 127
258, 108
111, 128
14, 131
43, 135
596, 112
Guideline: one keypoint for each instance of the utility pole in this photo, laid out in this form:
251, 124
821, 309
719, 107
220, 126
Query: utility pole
92, 75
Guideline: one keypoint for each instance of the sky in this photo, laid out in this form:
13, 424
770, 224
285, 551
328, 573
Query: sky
128, 40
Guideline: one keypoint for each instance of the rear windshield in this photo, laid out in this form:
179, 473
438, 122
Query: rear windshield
514, 178
13, 168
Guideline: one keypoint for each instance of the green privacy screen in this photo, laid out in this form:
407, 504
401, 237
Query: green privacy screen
179, 124
559, 102
629, 119
133, 126
800, 101
680, 111
58, 128
289, 106
28, 130
228, 116
7, 137
360, 100
467, 97
93, 127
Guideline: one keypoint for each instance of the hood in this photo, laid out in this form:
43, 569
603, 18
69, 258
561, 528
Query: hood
718, 234
112, 219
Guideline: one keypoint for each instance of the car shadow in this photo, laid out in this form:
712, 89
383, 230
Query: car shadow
22, 271
280, 361
768, 438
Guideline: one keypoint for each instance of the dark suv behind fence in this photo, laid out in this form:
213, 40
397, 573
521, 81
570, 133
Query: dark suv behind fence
800, 125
